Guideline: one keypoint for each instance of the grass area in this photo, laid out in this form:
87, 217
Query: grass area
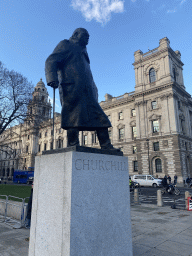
15, 190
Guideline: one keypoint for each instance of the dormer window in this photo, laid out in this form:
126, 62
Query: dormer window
152, 75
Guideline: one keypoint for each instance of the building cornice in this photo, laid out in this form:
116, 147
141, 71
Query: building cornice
155, 53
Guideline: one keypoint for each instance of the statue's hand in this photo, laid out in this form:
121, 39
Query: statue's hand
53, 84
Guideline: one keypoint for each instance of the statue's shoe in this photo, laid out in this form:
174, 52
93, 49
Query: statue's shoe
110, 147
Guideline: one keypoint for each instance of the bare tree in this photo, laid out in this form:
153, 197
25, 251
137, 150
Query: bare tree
15, 95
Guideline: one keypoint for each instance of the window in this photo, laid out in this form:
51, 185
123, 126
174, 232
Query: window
44, 110
134, 149
60, 143
39, 135
45, 146
110, 134
134, 132
179, 105
135, 166
174, 74
186, 145
155, 125
94, 138
120, 115
133, 112
27, 148
156, 146
51, 145
154, 104
43, 98
39, 148
121, 133
28, 137
46, 134
158, 165
60, 130
51, 132
182, 125
152, 76
85, 140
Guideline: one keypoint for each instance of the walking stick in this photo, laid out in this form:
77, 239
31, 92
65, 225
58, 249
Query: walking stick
53, 113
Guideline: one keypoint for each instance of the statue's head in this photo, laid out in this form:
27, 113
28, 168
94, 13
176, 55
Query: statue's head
80, 36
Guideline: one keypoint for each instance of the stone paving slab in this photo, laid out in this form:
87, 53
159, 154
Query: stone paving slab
156, 231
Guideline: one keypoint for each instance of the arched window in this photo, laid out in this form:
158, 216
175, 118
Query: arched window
152, 75
158, 165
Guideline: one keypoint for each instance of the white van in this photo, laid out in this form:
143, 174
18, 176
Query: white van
146, 180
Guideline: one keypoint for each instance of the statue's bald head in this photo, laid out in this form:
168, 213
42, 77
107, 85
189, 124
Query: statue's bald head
81, 36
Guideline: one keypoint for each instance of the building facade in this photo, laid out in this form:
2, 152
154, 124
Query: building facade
152, 125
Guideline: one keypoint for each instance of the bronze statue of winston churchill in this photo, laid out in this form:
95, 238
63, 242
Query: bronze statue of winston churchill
68, 68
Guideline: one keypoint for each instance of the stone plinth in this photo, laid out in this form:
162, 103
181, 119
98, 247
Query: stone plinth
81, 205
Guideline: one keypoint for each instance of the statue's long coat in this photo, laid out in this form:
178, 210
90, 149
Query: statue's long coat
70, 66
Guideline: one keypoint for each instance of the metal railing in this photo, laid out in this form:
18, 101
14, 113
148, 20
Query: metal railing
13, 212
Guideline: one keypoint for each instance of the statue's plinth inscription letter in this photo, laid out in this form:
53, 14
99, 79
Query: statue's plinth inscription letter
85, 164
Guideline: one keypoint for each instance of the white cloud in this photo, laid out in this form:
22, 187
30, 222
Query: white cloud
100, 10
172, 11
182, 2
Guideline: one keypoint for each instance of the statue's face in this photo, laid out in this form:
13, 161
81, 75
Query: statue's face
83, 38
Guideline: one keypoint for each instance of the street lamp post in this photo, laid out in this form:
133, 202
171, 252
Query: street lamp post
148, 155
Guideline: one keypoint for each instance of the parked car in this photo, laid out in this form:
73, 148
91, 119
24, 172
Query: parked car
146, 180
30, 180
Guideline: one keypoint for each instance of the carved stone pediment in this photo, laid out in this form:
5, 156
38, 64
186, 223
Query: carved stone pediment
133, 123
120, 126
154, 117
154, 65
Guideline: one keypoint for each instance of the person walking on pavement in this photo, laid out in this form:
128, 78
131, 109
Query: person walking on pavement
164, 181
29, 209
188, 181
169, 179
175, 179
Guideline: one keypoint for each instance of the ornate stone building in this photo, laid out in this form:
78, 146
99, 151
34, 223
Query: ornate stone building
152, 125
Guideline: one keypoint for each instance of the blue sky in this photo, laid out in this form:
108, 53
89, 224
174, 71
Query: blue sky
30, 30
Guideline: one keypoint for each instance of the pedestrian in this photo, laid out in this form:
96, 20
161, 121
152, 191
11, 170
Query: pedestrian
175, 179
188, 181
29, 209
164, 181
169, 179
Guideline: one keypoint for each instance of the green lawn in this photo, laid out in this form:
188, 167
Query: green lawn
15, 190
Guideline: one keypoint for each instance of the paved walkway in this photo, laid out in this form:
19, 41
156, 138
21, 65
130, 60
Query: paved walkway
156, 231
